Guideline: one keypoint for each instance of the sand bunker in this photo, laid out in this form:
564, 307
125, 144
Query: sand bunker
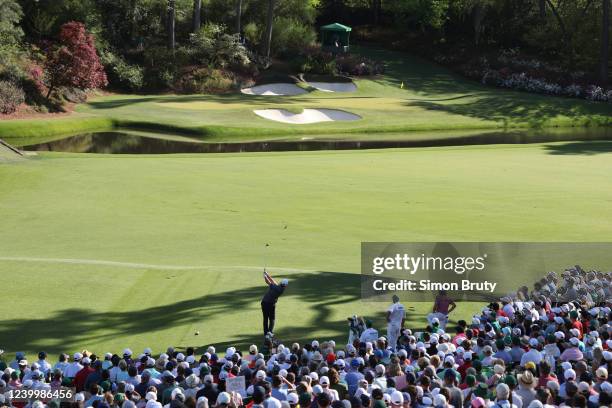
274, 90
307, 116
334, 86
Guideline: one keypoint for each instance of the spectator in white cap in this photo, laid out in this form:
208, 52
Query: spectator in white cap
533, 354
73, 368
572, 353
502, 397
396, 315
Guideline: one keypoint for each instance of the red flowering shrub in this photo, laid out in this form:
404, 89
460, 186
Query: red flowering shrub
74, 62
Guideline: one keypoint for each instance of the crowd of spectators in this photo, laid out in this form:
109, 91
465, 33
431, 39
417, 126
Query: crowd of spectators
549, 346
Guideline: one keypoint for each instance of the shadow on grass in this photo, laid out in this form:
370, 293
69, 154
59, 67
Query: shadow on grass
580, 148
72, 329
533, 110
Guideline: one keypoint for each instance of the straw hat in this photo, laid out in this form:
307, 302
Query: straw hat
526, 379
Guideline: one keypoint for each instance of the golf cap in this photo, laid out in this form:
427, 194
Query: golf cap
324, 380
284, 282
151, 396
292, 398
224, 398
601, 373
569, 374
260, 375
86, 360
397, 398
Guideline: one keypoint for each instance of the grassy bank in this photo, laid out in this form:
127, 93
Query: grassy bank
171, 244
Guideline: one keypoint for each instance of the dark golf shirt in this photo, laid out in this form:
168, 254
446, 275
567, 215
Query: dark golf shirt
273, 293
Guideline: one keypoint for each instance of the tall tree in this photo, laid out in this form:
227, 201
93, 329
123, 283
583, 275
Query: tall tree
605, 42
376, 7
10, 16
542, 8
171, 23
197, 15
238, 16
269, 24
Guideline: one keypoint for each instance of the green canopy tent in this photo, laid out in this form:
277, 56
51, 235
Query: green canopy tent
335, 37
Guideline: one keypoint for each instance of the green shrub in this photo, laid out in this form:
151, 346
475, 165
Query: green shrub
252, 34
212, 46
121, 73
206, 80
291, 37
316, 61
11, 96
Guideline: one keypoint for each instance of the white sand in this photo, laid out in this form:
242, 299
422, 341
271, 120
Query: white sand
334, 86
307, 116
274, 90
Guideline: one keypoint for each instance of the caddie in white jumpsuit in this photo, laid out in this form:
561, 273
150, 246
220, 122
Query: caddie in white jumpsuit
395, 322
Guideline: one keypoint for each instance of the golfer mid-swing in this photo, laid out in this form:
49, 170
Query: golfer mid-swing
268, 303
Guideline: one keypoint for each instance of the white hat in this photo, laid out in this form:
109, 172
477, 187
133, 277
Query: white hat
569, 374
260, 375
127, 352
607, 356
224, 398
439, 400
427, 401
175, 392
314, 343
317, 389
533, 342
583, 387
566, 365
86, 360
314, 376
284, 282
601, 373
78, 397
324, 380
77, 356
292, 398
380, 369
148, 351
397, 398
574, 341
151, 396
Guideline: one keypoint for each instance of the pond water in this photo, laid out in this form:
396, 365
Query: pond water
139, 143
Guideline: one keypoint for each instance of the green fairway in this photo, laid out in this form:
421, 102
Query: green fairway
101, 251
432, 99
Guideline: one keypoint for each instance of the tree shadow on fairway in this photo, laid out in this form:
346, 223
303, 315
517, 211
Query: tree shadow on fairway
580, 148
72, 329
507, 107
